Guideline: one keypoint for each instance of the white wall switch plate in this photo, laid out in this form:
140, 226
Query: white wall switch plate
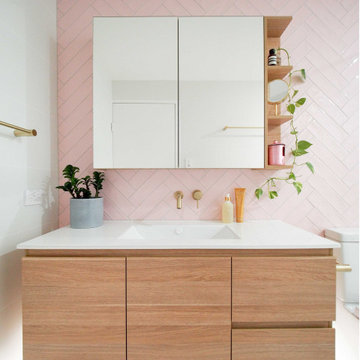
33, 197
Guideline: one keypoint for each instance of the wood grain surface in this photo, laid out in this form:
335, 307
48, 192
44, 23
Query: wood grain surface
74, 308
283, 289
179, 308
283, 344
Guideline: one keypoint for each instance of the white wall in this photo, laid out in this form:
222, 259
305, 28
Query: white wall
27, 98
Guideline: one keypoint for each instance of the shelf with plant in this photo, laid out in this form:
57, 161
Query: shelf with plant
300, 146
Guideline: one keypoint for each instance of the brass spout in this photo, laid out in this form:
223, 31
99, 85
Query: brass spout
179, 196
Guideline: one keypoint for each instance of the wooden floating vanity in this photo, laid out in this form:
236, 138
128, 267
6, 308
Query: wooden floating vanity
111, 300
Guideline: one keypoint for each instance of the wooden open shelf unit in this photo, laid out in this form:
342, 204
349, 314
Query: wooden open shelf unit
274, 120
277, 72
274, 26
277, 167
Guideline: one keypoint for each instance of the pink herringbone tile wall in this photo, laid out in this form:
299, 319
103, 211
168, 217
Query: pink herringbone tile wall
323, 38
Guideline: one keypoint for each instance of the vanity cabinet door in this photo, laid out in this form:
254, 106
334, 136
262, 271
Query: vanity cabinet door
178, 308
221, 92
74, 308
283, 344
283, 289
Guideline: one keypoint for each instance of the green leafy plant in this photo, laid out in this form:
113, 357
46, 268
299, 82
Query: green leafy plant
98, 178
300, 146
79, 188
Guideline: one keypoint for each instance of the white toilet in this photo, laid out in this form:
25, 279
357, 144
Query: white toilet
347, 283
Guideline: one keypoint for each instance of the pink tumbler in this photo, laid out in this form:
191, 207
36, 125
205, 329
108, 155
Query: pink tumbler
276, 153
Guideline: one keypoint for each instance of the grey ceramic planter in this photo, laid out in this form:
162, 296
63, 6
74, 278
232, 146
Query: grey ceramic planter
86, 213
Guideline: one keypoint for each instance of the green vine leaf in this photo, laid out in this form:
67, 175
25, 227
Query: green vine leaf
311, 167
258, 192
303, 145
273, 194
291, 108
299, 152
298, 186
303, 73
300, 102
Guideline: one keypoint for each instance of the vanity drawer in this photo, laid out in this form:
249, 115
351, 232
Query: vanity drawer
280, 289
283, 344
178, 308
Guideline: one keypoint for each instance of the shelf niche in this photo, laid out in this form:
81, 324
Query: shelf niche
274, 26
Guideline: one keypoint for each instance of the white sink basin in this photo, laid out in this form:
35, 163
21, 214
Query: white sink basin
187, 231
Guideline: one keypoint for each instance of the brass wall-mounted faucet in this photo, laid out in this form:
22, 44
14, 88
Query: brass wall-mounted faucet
197, 195
179, 196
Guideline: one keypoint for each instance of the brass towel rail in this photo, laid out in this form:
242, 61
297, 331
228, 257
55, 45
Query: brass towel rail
343, 267
242, 127
19, 131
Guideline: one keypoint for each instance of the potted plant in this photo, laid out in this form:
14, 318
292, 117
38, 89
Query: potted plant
86, 211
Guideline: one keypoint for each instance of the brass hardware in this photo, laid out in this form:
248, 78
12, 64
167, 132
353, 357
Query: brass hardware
197, 195
19, 131
242, 127
343, 267
179, 196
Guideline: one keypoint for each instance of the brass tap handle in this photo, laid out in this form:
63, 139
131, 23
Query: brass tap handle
343, 267
197, 195
179, 196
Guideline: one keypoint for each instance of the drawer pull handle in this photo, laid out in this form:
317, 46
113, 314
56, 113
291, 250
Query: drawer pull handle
343, 267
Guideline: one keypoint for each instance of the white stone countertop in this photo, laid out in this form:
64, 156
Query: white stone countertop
269, 234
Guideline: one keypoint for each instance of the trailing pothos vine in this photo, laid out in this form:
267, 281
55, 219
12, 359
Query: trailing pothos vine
301, 146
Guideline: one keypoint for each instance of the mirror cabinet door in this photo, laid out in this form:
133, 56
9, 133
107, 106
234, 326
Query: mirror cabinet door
135, 92
221, 84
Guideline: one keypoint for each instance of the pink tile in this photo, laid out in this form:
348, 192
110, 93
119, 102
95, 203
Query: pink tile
121, 7
176, 8
349, 4
64, 5
72, 16
74, 82
104, 9
322, 38
351, 16
71, 104
76, 62
335, 8
247, 8
72, 30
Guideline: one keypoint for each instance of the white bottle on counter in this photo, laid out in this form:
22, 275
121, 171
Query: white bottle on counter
228, 210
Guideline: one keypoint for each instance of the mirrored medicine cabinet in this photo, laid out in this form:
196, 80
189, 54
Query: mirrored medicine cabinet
174, 92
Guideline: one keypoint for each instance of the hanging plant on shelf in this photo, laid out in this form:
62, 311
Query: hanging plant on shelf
300, 146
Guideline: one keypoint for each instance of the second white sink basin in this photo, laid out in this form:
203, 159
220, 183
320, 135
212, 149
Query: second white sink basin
177, 231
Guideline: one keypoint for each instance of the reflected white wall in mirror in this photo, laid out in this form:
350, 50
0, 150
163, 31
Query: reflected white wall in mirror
135, 92
221, 74
219, 71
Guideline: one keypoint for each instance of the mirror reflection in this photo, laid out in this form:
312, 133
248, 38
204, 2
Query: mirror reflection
278, 91
208, 71
135, 92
